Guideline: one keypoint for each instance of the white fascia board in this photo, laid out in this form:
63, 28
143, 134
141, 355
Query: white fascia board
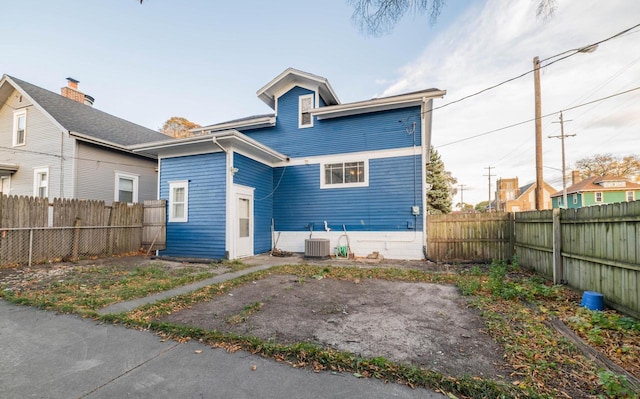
107, 144
256, 123
205, 144
253, 147
345, 157
293, 76
375, 105
32, 101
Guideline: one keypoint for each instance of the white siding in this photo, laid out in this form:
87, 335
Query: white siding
45, 143
96, 169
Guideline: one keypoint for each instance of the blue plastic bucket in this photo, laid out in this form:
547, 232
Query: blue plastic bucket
592, 300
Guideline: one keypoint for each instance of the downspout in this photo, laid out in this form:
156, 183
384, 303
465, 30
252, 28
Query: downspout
61, 193
426, 118
215, 141
229, 228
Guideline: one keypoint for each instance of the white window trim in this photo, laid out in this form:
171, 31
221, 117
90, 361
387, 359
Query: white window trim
177, 184
365, 183
632, 196
16, 116
129, 176
575, 198
36, 185
303, 97
595, 197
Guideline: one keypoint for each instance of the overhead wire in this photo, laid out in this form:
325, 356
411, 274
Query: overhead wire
533, 119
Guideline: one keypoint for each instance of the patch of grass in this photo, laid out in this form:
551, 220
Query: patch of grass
614, 385
245, 313
87, 289
234, 265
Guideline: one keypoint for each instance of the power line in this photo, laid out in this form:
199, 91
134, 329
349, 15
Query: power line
533, 119
58, 156
573, 52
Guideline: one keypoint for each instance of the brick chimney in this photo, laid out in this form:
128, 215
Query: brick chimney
575, 177
71, 91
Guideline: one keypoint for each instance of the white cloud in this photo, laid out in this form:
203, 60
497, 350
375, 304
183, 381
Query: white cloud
497, 40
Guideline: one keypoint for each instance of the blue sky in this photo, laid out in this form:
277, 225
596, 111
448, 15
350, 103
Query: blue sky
205, 61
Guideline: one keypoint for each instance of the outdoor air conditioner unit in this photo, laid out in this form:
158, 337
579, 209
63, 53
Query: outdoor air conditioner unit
317, 248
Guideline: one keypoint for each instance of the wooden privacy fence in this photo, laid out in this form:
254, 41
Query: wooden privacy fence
595, 248
34, 231
470, 237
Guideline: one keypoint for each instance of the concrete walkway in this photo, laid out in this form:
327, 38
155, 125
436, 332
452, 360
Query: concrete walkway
134, 303
46, 355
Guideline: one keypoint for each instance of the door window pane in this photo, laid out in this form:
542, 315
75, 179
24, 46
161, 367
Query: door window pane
243, 215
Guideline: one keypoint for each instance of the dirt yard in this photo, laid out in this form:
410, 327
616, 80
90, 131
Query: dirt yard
418, 323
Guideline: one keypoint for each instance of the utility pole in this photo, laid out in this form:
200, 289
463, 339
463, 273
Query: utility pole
538, 110
489, 167
564, 173
461, 196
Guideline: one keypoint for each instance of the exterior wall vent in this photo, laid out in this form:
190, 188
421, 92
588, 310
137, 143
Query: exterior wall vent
317, 248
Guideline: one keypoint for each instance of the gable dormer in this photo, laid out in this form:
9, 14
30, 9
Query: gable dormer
611, 182
319, 93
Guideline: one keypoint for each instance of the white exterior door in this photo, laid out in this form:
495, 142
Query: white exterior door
244, 222
5, 185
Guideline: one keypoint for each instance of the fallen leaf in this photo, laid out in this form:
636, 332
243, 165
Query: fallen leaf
198, 351
357, 375
254, 367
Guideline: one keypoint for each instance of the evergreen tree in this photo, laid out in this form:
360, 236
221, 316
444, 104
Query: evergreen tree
442, 184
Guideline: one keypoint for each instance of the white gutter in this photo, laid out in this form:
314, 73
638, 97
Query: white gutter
105, 143
264, 121
376, 104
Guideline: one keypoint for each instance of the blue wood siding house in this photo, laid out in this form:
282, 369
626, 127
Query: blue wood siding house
312, 168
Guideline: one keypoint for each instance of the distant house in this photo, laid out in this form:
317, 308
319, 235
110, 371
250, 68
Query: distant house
511, 198
352, 174
597, 190
59, 146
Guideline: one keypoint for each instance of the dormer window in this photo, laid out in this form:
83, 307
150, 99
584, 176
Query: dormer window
305, 105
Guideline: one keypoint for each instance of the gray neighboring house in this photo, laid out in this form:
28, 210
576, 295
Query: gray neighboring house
58, 146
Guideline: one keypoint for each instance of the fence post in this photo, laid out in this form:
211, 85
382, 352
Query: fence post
30, 246
558, 275
76, 239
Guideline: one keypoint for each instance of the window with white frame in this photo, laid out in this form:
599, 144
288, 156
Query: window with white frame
575, 198
305, 105
20, 127
598, 197
126, 188
344, 174
179, 201
41, 182
631, 196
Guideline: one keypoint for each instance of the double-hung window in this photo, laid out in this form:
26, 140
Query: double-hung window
305, 105
631, 196
20, 127
598, 197
41, 182
344, 174
126, 188
179, 201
